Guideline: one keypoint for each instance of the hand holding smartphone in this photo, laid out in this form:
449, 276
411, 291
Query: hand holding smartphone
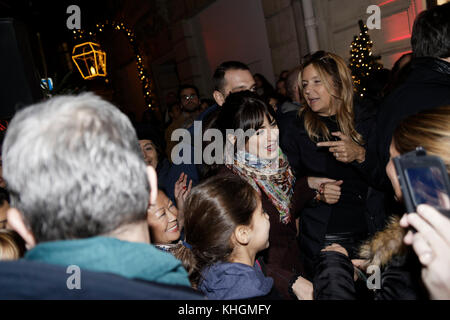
423, 180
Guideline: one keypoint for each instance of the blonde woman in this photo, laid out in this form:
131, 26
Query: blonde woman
324, 140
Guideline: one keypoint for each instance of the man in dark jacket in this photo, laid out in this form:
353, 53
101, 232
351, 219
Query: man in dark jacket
32, 280
428, 85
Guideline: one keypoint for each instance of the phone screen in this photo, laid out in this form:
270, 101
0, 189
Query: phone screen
428, 187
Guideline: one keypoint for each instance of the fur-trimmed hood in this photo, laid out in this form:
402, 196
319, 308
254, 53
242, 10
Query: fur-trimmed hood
385, 245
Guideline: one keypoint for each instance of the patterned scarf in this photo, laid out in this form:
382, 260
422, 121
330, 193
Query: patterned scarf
274, 177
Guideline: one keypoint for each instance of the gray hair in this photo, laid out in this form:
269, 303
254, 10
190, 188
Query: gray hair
74, 168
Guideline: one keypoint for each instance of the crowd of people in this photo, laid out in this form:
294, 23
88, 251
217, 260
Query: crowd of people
304, 207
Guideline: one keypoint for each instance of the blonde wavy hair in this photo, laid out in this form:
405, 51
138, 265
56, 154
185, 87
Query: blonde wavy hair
12, 246
337, 80
429, 129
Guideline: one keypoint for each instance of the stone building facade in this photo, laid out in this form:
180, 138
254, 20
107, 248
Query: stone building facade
184, 40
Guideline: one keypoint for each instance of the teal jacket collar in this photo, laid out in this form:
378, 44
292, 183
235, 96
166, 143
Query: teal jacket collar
103, 254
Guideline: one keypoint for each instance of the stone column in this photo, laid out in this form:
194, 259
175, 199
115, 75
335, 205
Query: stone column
310, 25
285, 32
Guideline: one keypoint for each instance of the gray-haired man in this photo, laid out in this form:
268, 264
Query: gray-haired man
80, 189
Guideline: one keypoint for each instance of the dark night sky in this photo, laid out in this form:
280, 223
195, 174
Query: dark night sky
50, 16
49, 19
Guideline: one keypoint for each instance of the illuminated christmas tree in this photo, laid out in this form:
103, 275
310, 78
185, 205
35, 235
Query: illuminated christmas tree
362, 61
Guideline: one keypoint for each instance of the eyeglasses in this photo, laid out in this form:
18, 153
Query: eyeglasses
192, 96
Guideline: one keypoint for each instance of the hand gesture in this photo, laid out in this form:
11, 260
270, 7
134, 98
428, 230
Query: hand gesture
316, 183
431, 243
330, 192
181, 191
345, 150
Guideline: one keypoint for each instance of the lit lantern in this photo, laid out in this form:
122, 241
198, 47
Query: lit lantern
90, 60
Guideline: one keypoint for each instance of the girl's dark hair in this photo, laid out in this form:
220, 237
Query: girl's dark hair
241, 110
213, 210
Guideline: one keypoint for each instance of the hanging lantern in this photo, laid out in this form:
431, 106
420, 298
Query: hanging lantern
90, 60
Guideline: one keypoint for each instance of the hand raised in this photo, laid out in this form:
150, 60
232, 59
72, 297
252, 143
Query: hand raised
181, 191
344, 150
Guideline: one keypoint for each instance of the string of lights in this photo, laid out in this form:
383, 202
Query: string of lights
362, 61
143, 74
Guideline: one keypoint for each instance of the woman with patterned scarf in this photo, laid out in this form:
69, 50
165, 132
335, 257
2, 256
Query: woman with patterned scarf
256, 157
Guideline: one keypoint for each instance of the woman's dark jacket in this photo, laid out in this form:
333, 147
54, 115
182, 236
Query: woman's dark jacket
426, 87
350, 213
398, 268
334, 280
282, 258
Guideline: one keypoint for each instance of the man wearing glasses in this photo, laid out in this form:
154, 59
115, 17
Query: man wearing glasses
190, 109
190, 103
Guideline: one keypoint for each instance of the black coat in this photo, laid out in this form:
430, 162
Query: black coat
427, 87
396, 276
350, 213
282, 258
31, 280
400, 280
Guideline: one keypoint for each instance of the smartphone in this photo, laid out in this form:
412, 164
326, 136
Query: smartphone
423, 180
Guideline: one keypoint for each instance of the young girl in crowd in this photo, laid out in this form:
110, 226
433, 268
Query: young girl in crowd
225, 228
